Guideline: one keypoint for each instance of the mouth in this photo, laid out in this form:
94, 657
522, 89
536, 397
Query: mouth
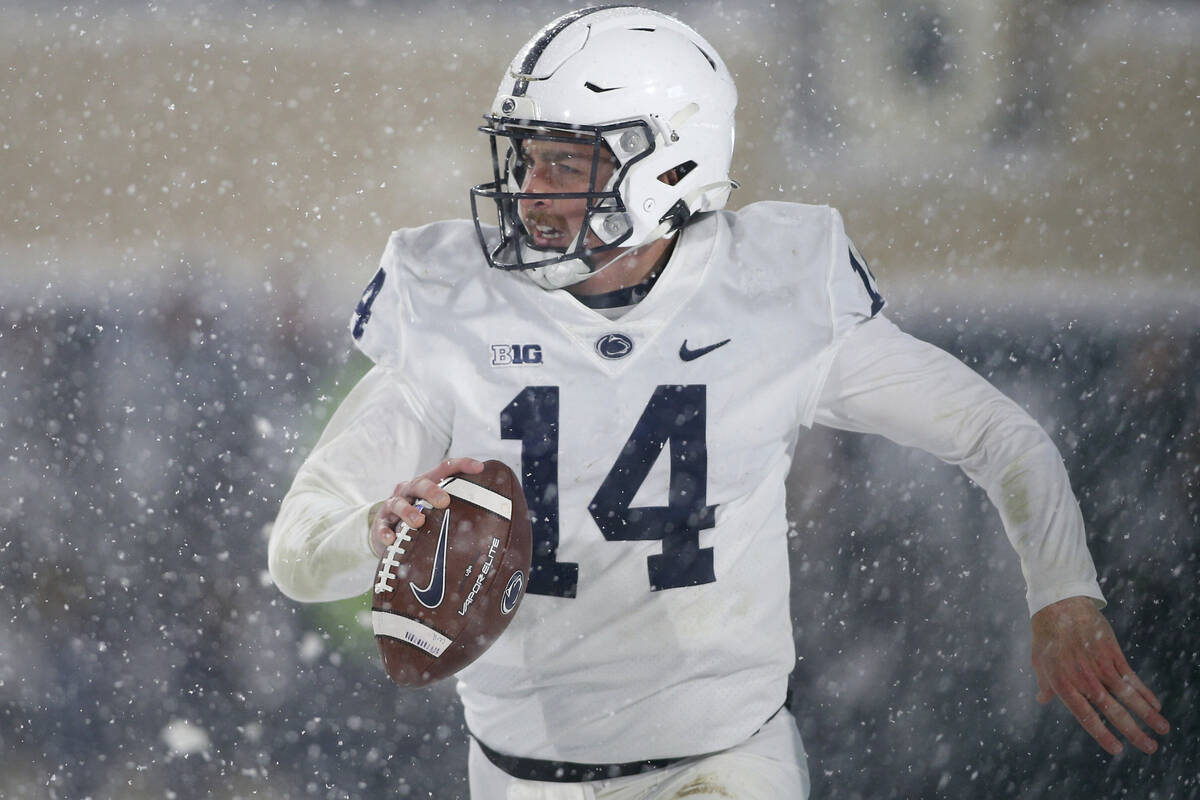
546, 234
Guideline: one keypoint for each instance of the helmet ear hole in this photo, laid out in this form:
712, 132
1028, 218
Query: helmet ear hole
677, 173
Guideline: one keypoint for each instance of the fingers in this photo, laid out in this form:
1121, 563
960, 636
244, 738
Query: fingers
1090, 721
1045, 691
393, 512
410, 499
1127, 674
1087, 697
1125, 686
1120, 719
1134, 695
400, 511
1076, 657
451, 466
425, 486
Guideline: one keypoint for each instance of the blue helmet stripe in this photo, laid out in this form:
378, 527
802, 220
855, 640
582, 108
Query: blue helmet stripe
539, 47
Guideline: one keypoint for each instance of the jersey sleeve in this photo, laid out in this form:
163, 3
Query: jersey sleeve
378, 322
405, 300
319, 545
849, 298
886, 382
853, 292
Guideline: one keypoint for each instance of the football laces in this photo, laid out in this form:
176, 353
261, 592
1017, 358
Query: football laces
391, 556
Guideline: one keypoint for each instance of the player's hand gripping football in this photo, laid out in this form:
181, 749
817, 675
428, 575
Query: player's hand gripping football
404, 506
1077, 658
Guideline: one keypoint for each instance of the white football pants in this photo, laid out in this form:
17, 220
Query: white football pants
771, 765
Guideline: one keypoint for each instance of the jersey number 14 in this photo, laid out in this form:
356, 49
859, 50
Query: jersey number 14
674, 416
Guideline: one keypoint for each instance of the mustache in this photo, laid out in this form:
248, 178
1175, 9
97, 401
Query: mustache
535, 218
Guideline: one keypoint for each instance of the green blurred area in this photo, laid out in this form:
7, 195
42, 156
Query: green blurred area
344, 625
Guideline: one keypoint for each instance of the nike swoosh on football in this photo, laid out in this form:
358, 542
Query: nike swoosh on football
690, 355
431, 596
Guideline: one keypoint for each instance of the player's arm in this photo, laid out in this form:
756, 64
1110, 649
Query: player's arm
322, 543
885, 382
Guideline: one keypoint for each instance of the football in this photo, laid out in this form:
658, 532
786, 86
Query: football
445, 591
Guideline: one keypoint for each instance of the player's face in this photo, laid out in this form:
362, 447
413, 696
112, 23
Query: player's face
559, 167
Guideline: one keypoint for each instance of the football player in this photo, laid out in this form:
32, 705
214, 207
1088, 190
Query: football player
646, 361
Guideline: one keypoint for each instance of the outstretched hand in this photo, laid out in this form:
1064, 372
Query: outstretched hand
1077, 658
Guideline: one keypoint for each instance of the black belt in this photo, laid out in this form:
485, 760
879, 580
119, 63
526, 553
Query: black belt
535, 769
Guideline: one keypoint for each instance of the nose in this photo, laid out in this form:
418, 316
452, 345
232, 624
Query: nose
535, 181
534, 184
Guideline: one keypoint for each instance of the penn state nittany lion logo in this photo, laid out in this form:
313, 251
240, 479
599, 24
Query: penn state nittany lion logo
614, 345
512, 592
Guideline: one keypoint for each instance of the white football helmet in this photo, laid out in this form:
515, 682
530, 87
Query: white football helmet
646, 91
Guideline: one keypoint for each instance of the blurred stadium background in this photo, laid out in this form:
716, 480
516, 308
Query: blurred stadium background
194, 195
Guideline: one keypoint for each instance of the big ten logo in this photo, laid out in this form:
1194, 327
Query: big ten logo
515, 355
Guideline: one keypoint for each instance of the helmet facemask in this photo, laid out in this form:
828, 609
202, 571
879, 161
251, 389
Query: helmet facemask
604, 214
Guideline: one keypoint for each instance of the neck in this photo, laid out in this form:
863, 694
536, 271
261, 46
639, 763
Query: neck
628, 268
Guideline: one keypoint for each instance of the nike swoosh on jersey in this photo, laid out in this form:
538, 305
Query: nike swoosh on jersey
431, 596
690, 355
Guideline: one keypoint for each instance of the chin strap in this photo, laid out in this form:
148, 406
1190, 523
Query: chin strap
560, 275
569, 273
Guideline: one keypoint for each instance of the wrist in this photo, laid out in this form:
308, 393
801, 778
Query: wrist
372, 514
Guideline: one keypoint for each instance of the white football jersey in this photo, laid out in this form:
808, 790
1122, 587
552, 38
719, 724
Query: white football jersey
653, 451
